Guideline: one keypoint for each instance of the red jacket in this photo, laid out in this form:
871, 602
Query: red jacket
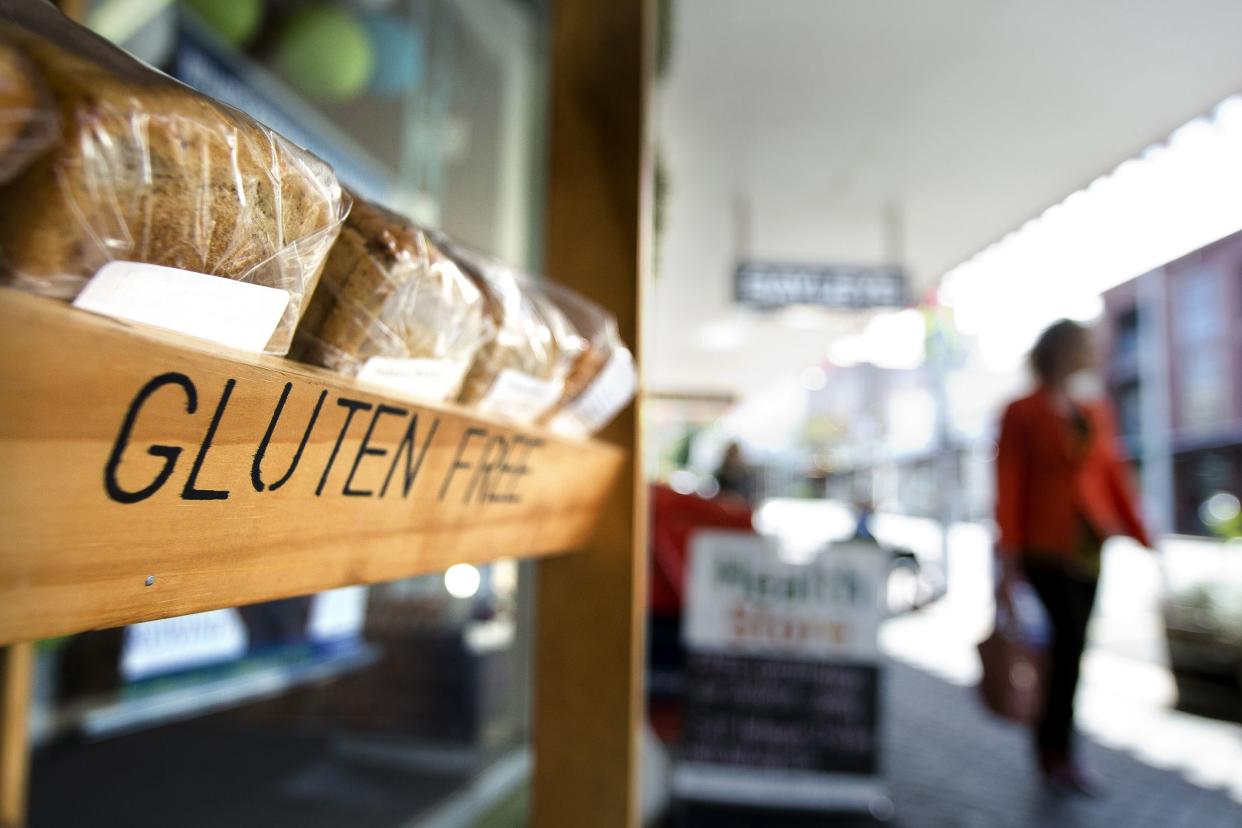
1045, 486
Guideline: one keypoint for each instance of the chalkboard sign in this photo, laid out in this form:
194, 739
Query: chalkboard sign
781, 713
782, 674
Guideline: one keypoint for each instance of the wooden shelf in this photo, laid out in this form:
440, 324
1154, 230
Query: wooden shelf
148, 475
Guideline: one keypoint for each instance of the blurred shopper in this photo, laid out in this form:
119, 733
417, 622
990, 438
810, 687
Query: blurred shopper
735, 476
1062, 489
864, 511
675, 518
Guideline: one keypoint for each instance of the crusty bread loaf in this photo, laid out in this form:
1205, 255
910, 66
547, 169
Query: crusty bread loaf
149, 170
388, 290
570, 349
595, 337
342, 326
523, 341
590, 362
27, 116
532, 335
602, 378
17, 96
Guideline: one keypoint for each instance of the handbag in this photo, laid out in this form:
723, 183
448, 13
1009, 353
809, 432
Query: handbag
1014, 668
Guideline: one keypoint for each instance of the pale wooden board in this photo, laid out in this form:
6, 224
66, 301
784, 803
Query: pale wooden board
589, 653
16, 678
75, 558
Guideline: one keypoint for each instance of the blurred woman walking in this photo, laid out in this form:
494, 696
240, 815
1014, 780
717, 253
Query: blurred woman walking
1062, 489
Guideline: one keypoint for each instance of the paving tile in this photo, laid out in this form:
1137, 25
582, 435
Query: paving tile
950, 764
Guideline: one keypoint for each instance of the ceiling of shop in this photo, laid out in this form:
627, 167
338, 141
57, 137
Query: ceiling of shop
806, 130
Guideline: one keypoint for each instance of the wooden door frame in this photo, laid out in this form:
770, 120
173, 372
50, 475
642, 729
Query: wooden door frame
588, 696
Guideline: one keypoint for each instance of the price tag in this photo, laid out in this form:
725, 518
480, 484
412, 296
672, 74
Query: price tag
518, 396
237, 314
599, 403
428, 379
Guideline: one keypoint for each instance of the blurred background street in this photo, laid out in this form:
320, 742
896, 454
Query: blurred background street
948, 762
1160, 765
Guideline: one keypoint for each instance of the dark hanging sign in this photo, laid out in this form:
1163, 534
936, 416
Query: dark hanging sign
775, 285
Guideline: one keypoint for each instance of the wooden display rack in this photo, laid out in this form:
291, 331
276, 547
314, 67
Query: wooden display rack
150, 475
147, 475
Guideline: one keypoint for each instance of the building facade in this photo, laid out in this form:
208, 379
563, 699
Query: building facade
1174, 372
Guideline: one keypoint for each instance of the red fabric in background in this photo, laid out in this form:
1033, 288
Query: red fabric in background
674, 520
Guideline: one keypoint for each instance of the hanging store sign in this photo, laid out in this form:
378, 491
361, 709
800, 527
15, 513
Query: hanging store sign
775, 285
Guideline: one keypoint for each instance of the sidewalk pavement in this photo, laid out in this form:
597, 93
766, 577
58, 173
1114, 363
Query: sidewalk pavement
951, 763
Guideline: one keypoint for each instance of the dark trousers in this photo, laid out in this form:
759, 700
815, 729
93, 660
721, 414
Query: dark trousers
1068, 599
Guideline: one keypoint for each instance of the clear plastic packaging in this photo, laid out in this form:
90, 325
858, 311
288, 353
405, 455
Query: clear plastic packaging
602, 379
392, 308
147, 170
28, 121
520, 373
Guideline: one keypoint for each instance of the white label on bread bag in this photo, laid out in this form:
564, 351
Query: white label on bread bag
427, 379
517, 396
599, 403
237, 314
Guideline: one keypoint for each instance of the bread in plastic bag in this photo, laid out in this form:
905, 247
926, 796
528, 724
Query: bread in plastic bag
602, 379
28, 122
147, 170
392, 308
520, 373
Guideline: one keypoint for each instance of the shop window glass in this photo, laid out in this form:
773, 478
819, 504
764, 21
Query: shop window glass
1199, 334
